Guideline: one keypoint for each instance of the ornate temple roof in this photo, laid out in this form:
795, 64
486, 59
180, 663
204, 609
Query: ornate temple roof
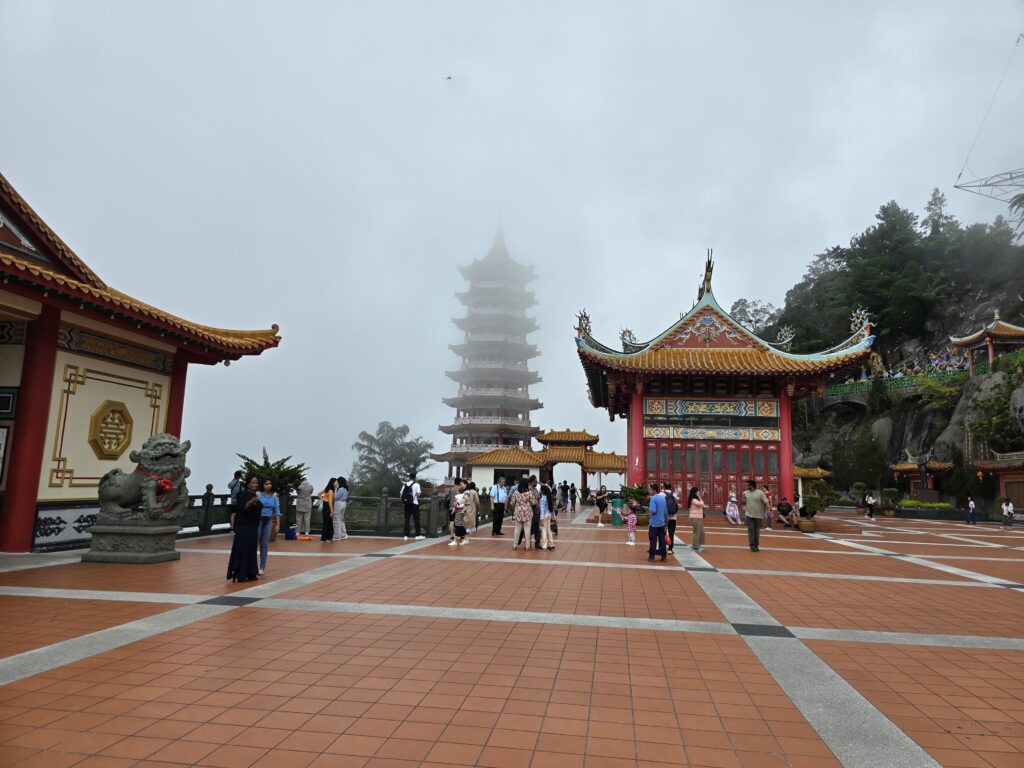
567, 437
997, 330
54, 269
706, 340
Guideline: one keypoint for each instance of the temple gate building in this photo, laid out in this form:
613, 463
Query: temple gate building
708, 402
493, 403
87, 374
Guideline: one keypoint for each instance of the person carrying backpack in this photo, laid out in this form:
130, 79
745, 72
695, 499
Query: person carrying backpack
673, 509
411, 504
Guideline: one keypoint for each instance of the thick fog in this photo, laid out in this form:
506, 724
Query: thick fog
326, 166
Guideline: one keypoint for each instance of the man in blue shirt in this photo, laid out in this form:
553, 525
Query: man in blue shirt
659, 515
499, 497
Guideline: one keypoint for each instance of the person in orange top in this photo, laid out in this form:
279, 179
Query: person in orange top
327, 509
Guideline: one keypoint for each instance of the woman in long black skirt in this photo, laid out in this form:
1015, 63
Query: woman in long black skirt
243, 565
327, 510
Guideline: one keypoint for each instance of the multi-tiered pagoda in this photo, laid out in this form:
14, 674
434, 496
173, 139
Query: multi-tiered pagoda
493, 404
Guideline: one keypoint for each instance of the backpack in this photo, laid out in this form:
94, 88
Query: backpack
671, 503
407, 493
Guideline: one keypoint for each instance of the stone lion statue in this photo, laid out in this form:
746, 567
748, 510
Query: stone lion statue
155, 492
1017, 406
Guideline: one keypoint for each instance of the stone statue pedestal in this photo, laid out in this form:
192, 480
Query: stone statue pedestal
127, 543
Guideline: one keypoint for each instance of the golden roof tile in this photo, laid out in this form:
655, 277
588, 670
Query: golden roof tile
244, 342
511, 456
722, 361
596, 461
816, 473
567, 437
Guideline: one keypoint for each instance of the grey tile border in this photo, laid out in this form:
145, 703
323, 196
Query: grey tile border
97, 594
909, 638
855, 577
484, 614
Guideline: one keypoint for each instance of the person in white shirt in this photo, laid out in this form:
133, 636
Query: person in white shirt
971, 520
499, 498
411, 505
1007, 513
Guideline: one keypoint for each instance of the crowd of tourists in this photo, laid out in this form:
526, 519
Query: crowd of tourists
664, 505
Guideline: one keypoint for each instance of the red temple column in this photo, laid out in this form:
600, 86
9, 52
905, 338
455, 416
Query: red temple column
970, 363
176, 399
786, 443
637, 470
19, 515
991, 352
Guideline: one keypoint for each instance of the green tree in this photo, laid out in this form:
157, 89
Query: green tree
387, 456
941, 395
936, 221
285, 477
754, 315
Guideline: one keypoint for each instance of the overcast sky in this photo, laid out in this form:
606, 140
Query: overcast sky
310, 164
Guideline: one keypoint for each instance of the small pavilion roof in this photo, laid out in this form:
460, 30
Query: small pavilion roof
932, 466
49, 267
596, 461
567, 437
510, 456
997, 329
811, 473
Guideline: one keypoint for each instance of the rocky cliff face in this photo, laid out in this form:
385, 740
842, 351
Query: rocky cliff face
912, 429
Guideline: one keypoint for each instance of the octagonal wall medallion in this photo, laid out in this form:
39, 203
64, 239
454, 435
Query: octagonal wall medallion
110, 430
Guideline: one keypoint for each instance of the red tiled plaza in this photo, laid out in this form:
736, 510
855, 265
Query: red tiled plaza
375, 652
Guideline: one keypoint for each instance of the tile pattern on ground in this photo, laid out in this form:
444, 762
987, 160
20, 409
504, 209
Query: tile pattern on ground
34, 622
965, 709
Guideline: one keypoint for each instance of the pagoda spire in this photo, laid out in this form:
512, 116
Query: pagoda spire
499, 239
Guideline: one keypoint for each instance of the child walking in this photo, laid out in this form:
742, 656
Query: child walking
460, 519
630, 519
732, 509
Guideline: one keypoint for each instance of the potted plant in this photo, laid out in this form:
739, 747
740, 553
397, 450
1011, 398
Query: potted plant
889, 501
819, 496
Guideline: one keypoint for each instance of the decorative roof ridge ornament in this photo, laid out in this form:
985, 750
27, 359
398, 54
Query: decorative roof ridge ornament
582, 323
860, 318
996, 317
629, 342
709, 266
784, 338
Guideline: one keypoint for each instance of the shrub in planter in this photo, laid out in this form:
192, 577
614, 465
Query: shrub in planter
912, 504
